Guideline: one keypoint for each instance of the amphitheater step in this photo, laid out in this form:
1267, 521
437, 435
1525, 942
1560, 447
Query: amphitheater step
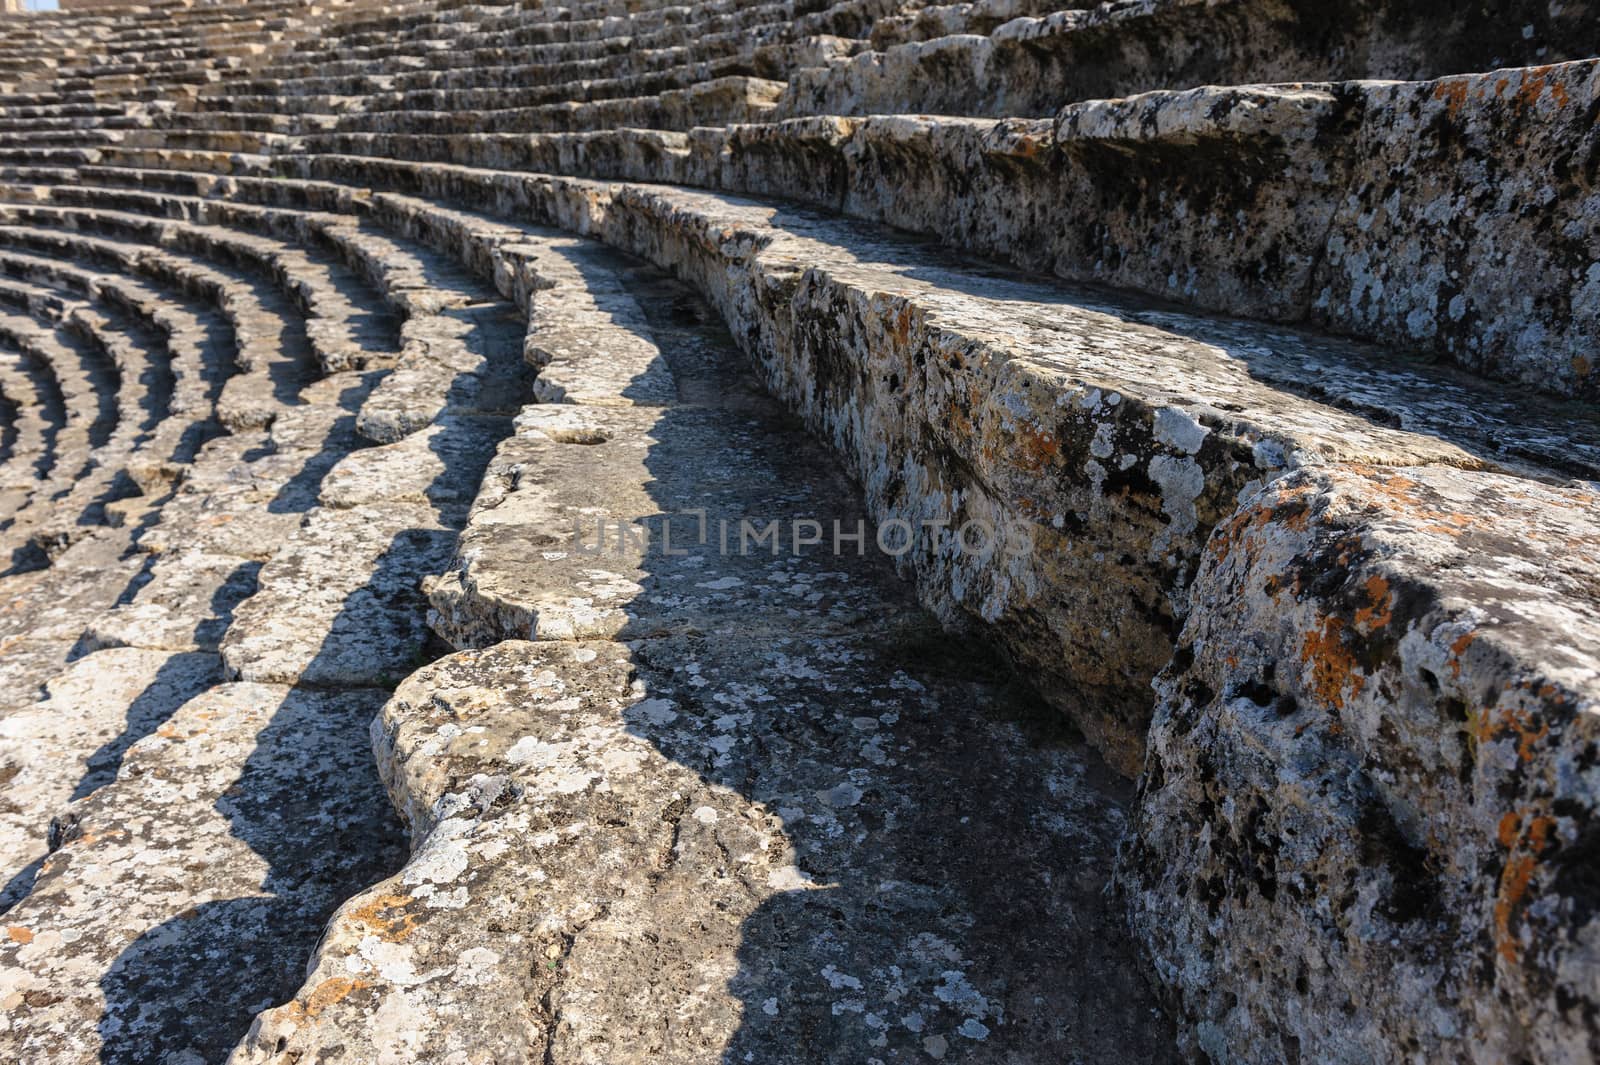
136, 939
287, 558
1031, 66
1224, 402
850, 769
1136, 416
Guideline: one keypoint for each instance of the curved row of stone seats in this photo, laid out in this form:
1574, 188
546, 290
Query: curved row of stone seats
88, 416
719, 101
38, 413
1079, 385
46, 612
1030, 67
1333, 233
418, 285
727, 788
508, 88
127, 62
347, 326
486, 57
128, 416
766, 55
41, 115
63, 138
980, 18
193, 356
1361, 584
265, 334
314, 635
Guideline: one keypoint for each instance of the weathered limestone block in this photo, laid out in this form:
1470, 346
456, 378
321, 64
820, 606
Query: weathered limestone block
1216, 197
543, 555
438, 465
184, 604
709, 103
58, 603
1101, 436
589, 340
183, 894
339, 603
1372, 767
1469, 228
72, 740
1031, 66
752, 842
925, 23
466, 361
1288, 203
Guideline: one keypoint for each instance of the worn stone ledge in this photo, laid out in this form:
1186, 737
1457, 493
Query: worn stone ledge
999, 386
1373, 761
1274, 202
1031, 66
995, 387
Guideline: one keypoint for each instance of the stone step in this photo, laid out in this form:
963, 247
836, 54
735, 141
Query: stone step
115, 360
35, 399
334, 609
1149, 426
1371, 749
346, 326
457, 350
1030, 67
516, 93
495, 65
129, 920
265, 335
981, 18
181, 379
794, 778
73, 370
716, 102
45, 611
72, 740
1321, 234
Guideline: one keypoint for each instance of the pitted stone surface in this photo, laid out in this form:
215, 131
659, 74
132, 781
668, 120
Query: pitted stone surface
1099, 435
71, 741
184, 604
1373, 755
278, 280
231, 831
654, 852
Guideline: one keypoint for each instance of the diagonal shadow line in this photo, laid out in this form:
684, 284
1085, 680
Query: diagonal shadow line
195, 982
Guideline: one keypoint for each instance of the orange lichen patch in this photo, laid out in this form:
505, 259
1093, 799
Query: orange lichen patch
18, 934
1534, 83
1519, 723
1581, 366
1380, 609
1037, 449
331, 991
1227, 536
1287, 507
1459, 648
1454, 92
901, 329
1517, 874
1333, 668
386, 916
1024, 146
322, 996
